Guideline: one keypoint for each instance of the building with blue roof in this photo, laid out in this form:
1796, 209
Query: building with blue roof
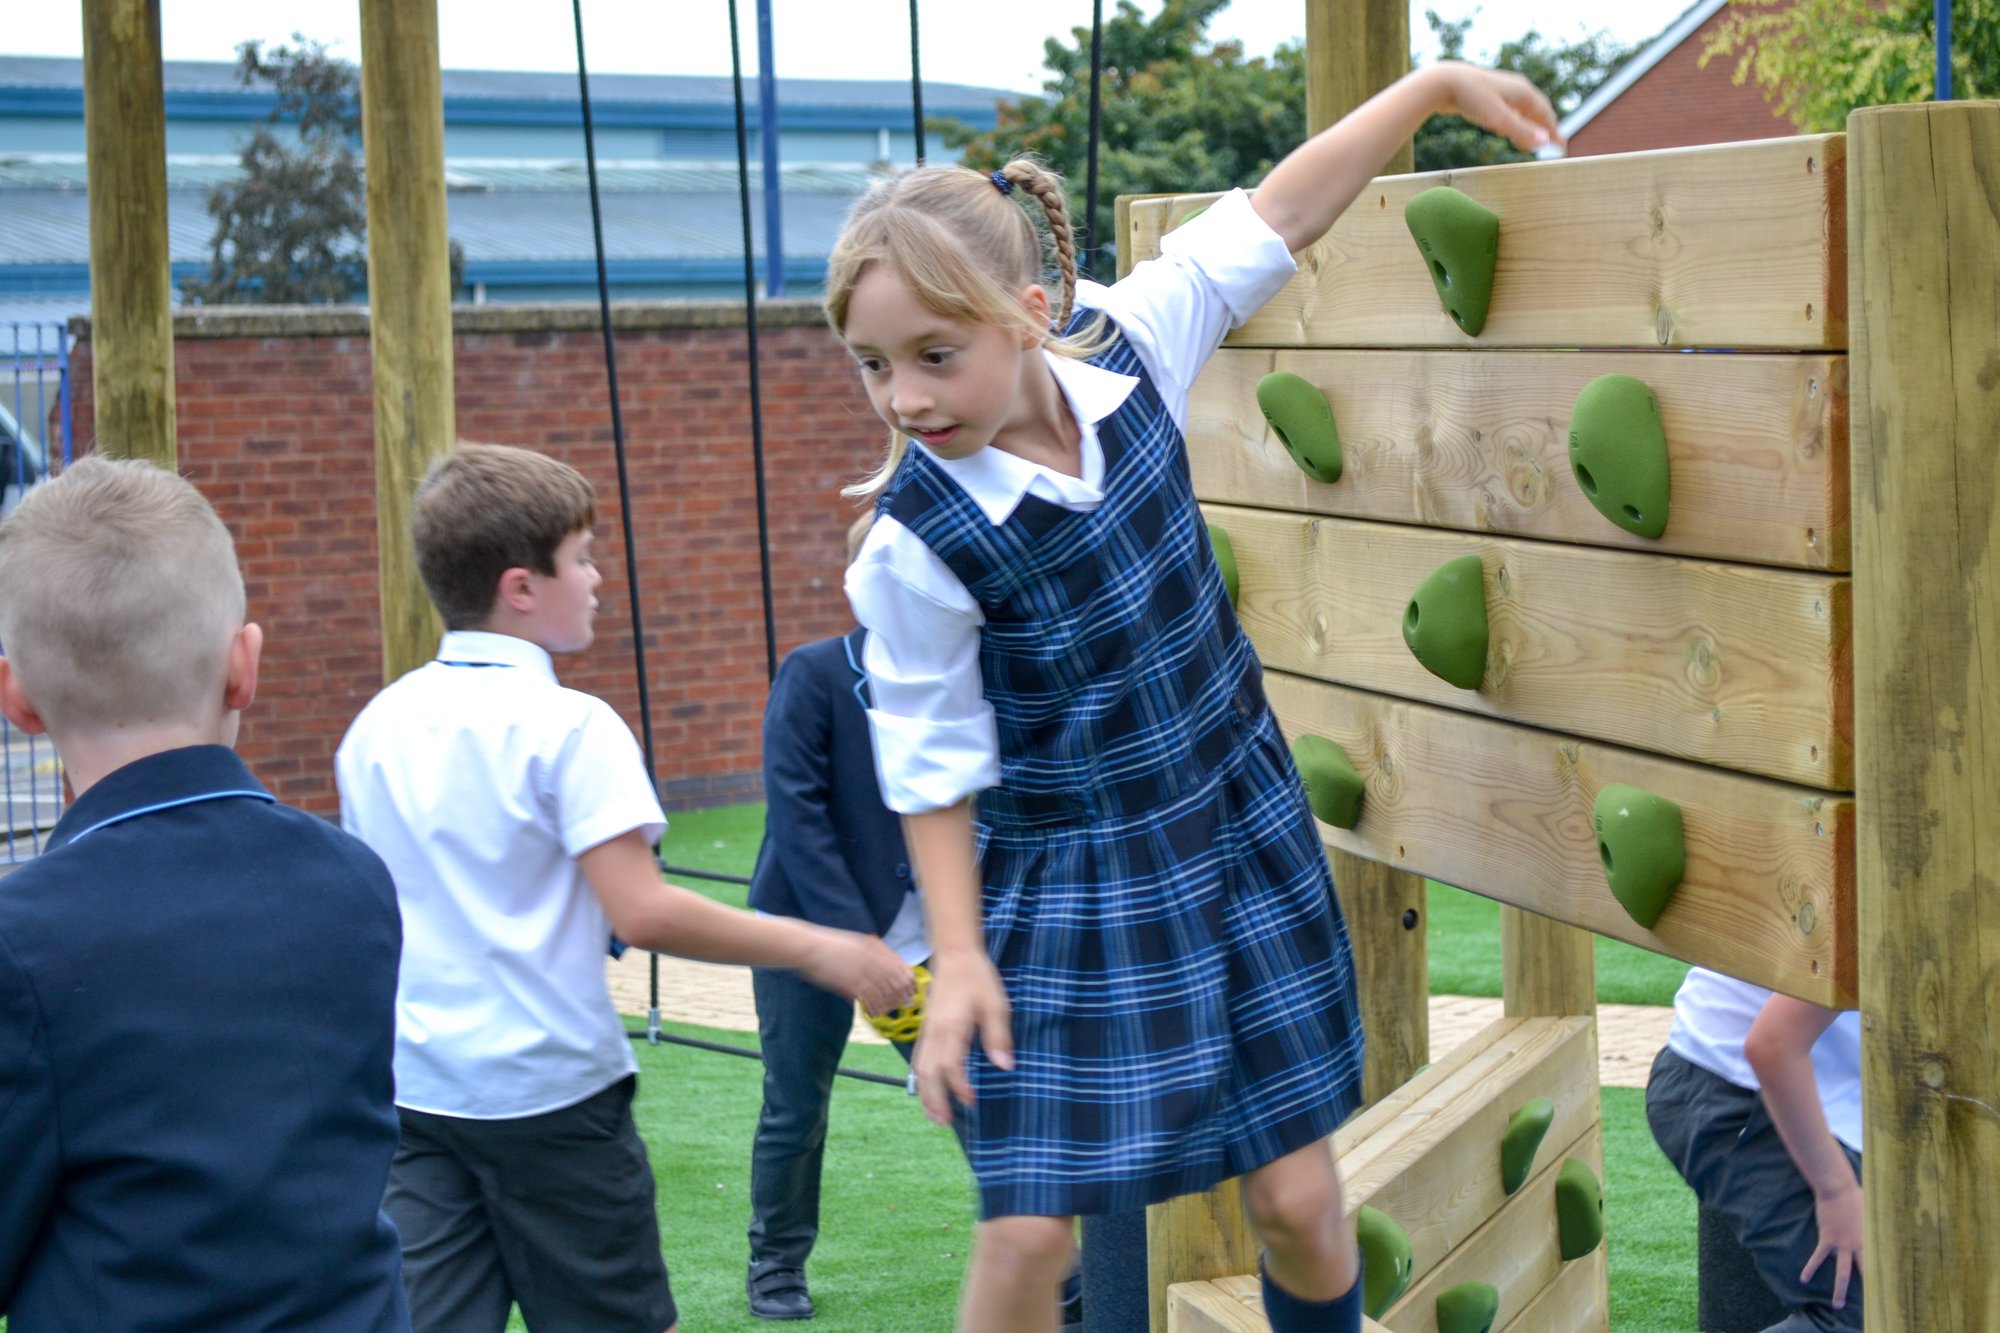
517, 191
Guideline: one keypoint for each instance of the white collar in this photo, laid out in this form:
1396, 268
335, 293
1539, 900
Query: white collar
996, 480
483, 648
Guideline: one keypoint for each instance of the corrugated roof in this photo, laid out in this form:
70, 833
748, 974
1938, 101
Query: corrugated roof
210, 77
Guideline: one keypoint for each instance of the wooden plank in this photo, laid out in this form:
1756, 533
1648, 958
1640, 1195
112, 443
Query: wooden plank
1354, 49
1734, 245
1577, 1301
409, 294
1480, 441
1735, 665
1369, 1121
1193, 1238
1514, 1251
1505, 811
1440, 1179
1546, 967
1226, 1305
1927, 626
131, 285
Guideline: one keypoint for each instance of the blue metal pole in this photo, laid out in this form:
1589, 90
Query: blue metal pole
767, 138
1942, 21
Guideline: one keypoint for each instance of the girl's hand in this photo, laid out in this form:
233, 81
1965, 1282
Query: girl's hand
1503, 102
966, 999
1839, 1218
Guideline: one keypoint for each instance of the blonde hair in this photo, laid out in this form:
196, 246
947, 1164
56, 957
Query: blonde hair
119, 595
484, 509
966, 247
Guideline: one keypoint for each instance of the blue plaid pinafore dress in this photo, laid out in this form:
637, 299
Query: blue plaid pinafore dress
1155, 894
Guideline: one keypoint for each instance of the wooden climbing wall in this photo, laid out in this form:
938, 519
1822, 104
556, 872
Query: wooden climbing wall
1712, 665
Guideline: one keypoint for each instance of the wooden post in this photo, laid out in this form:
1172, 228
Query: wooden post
1547, 969
409, 297
1354, 49
131, 281
1923, 264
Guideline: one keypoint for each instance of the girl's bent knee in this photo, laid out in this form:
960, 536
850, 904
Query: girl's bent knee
1295, 1200
1032, 1248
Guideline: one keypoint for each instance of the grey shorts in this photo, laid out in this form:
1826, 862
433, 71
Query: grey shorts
555, 1212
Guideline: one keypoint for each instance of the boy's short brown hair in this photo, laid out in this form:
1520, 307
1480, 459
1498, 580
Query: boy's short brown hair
484, 509
119, 595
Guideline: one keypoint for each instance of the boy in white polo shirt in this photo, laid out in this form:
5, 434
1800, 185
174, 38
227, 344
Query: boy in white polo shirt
517, 819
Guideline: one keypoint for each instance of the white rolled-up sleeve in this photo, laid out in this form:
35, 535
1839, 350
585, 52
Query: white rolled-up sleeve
1214, 271
935, 740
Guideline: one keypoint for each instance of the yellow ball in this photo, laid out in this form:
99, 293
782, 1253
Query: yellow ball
901, 1025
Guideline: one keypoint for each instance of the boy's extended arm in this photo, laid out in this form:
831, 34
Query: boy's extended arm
1318, 180
669, 919
966, 998
1779, 1048
27, 1125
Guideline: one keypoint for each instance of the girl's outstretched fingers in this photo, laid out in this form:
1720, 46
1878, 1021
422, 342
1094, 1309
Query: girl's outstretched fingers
966, 1000
1507, 104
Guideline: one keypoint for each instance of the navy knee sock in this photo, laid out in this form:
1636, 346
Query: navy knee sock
1290, 1314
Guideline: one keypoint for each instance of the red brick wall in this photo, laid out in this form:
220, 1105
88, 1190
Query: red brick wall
278, 432
1677, 103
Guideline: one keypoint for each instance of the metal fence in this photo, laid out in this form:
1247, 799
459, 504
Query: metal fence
36, 440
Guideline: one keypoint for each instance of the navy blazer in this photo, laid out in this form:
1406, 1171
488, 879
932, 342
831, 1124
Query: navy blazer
197, 1015
832, 852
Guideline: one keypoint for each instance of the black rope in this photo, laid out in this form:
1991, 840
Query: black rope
750, 330
1090, 190
916, 84
863, 1075
618, 448
689, 872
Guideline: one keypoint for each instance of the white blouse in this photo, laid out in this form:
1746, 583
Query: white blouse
935, 738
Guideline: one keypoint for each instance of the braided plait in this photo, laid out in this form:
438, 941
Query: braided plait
1047, 190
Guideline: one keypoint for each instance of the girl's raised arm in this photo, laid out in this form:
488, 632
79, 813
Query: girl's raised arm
1318, 180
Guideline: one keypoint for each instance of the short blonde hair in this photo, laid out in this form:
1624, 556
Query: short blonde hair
966, 247
119, 595
484, 509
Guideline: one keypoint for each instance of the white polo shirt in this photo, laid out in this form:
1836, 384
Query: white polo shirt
1712, 1016
479, 780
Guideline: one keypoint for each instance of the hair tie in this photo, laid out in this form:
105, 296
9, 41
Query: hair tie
1001, 183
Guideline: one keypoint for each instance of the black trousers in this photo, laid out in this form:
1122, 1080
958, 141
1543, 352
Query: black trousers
1721, 1139
804, 1033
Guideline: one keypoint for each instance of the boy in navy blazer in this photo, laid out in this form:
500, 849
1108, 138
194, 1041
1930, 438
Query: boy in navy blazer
197, 985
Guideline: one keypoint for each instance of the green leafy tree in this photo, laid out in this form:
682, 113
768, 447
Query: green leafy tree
1182, 113
1817, 60
293, 227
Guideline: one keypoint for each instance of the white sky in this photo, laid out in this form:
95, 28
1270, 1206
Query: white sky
964, 41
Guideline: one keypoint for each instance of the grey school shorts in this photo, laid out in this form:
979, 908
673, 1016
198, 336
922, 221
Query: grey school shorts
553, 1211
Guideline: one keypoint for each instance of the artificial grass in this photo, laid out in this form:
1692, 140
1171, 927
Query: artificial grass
1464, 946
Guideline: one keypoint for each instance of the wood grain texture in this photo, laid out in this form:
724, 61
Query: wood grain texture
1736, 245
1354, 49
1734, 665
1576, 1301
1385, 911
1927, 706
1193, 1238
1505, 811
131, 284
1546, 967
1479, 441
409, 286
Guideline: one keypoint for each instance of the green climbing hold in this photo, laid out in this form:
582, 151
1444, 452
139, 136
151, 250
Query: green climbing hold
1521, 1140
1225, 558
1333, 788
1469, 1307
1618, 451
1386, 1258
1461, 243
1579, 1209
1303, 420
1445, 622
1639, 841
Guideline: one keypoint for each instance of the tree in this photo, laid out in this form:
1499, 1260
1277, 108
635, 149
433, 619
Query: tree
1817, 60
293, 228
1181, 113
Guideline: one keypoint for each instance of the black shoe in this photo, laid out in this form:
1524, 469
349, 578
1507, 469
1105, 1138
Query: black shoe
779, 1294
